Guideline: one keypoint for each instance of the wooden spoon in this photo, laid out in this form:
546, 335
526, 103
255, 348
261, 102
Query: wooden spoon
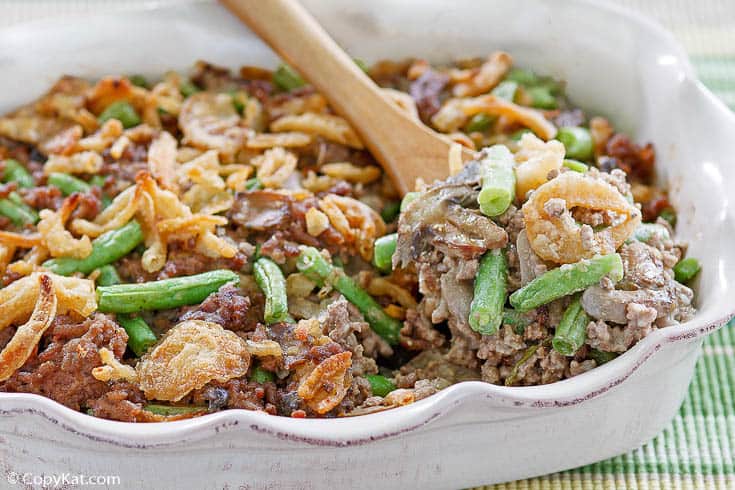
405, 147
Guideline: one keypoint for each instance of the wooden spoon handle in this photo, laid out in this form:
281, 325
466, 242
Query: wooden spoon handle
294, 34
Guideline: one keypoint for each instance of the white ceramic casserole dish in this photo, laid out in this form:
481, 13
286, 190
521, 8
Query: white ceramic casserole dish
615, 63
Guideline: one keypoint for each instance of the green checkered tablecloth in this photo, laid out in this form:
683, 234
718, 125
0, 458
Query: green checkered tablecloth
697, 449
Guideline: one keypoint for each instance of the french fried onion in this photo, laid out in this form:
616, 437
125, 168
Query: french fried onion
558, 238
357, 222
326, 386
332, 128
190, 355
26, 338
59, 241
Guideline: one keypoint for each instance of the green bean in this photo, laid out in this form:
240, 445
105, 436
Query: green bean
68, 184
140, 335
498, 181
572, 330
577, 141
486, 309
408, 199
108, 276
379, 384
169, 410
164, 294
383, 251
123, 112
107, 248
13, 208
253, 184
506, 90
575, 165
522, 77
188, 88
260, 375
138, 81
686, 269
361, 65
602, 357
479, 123
645, 232
270, 280
516, 136
567, 279
316, 268
286, 78
530, 351
516, 319
669, 214
542, 97
15, 172
391, 211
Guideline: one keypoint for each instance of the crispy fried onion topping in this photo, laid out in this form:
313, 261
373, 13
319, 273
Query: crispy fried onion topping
207, 195
357, 222
325, 387
85, 162
112, 369
56, 238
328, 126
210, 122
162, 161
553, 232
163, 217
275, 166
190, 355
485, 77
534, 160
456, 112
40, 296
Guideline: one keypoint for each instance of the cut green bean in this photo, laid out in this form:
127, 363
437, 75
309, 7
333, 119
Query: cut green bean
486, 309
270, 280
390, 211
645, 232
601, 357
170, 410
138, 81
380, 385
686, 269
542, 97
316, 268
164, 294
408, 199
286, 78
13, 208
253, 184
522, 77
383, 251
516, 319
669, 214
108, 276
107, 248
140, 335
575, 165
572, 330
506, 90
188, 88
577, 141
15, 172
68, 184
498, 181
361, 65
260, 375
123, 111
479, 123
567, 279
